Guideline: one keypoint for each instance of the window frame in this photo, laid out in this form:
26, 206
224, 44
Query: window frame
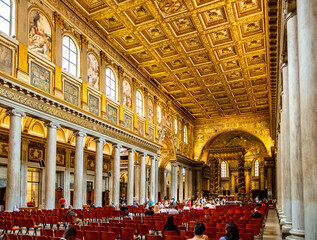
12, 20
256, 166
68, 60
113, 81
223, 164
139, 109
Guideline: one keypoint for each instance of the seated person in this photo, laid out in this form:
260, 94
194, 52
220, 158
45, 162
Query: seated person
70, 212
69, 234
256, 213
149, 211
173, 210
232, 232
199, 230
170, 225
124, 207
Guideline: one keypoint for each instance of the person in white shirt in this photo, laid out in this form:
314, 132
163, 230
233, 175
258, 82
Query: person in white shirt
173, 210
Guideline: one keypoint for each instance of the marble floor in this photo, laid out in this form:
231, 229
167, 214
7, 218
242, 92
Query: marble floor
272, 227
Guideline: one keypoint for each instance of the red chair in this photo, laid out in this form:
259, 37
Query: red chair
91, 235
100, 229
55, 220
86, 228
246, 236
186, 234
172, 238
143, 229
9, 226
26, 237
30, 224
41, 238
55, 238
94, 224
47, 232
153, 237
115, 230
170, 233
108, 236
159, 226
80, 235
59, 233
11, 236
77, 227
150, 223
128, 234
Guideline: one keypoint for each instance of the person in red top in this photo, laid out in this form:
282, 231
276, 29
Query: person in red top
62, 202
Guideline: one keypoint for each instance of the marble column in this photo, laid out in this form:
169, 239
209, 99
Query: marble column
142, 178
156, 178
137, 181
111, 181
278, 174
174, 180
14, 158
190, 179
152, 183
181, 185
24, 172
164, 184
98, 172
186, 184
307, 49
269, 183
67, 176
78, 171
295, 129
130, 177
286, 177
50, 165
116, 174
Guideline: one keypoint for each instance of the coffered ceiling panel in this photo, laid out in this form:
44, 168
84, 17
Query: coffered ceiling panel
210, 56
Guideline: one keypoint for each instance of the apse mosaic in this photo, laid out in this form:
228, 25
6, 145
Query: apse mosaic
71, 93
40, 77
40, 34
127, 95
5, 59
93, 71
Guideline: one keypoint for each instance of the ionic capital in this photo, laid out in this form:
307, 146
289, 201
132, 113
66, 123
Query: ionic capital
15, 112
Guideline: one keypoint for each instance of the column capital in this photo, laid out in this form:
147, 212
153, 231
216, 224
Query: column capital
79, 134
116, 145
52, 125
173, 162
99, 139
15, 112
142, 154
131, 150
291, 14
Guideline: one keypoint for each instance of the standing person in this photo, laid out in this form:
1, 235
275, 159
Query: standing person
232, 232
199, 232
62, 202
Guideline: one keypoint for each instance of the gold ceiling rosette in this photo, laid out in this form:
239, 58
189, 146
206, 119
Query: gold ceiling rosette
170, 6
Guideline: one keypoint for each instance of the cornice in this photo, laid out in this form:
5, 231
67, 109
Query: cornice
19, 95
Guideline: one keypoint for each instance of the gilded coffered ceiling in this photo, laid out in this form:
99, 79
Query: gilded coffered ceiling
211, 56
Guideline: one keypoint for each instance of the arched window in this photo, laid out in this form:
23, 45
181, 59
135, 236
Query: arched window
256, 168
139, 103
70, 56
185, 134
111, 84
175, 125
6, 16
159, 114
223, 169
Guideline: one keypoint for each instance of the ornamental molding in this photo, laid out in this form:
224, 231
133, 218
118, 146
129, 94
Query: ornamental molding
45, 107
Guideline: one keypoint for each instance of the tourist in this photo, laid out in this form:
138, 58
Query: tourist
256, 213
70, 212
170, 224
232, 232
199, 232
149, 212
173, 210
62, 202
69, 234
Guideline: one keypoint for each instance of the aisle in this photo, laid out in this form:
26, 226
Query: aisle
272, 227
